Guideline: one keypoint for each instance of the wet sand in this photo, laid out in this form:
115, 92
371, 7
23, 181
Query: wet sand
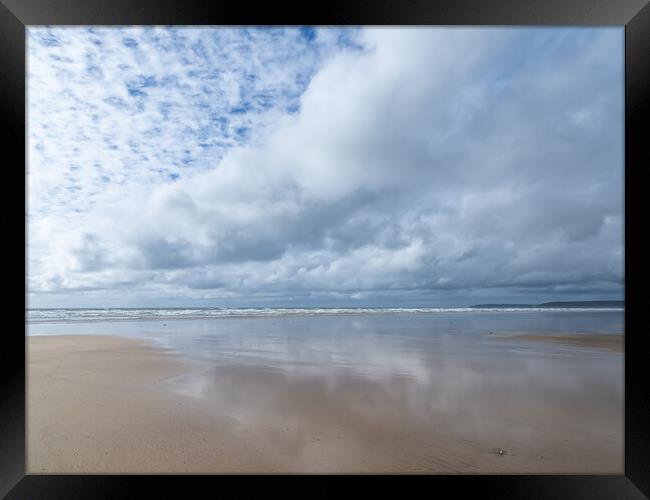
101, 404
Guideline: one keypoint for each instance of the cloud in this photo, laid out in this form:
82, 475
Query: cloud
397, 165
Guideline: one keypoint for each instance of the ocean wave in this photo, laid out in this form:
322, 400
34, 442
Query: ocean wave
116, 314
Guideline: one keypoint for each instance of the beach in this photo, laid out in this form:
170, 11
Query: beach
609, 342
242, 398
324, 249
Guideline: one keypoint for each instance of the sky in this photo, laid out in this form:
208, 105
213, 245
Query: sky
262, 167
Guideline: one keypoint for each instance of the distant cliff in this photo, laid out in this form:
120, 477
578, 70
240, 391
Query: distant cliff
567, 304
586, 303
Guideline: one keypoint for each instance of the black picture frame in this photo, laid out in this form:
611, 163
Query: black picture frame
634, 15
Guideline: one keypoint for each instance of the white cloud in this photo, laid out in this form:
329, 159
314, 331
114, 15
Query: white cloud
433, 164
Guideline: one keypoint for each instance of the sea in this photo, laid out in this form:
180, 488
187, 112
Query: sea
359, 337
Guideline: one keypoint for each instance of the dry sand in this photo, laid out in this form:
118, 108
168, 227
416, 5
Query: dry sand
99, 404
608, 342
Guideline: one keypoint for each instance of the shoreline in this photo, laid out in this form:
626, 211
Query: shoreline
284, 312
101, 404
